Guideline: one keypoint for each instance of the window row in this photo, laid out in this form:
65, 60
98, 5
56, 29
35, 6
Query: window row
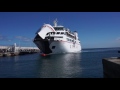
70, 40
53, 33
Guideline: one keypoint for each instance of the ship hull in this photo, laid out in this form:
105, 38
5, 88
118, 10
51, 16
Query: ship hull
56, 47
65, 47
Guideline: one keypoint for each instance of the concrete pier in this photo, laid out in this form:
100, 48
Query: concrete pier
1, 54
19, 52
7, 54
14, 50
111, 67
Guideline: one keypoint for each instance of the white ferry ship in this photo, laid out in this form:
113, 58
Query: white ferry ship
57, 39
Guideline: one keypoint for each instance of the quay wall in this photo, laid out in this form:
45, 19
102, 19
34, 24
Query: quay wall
111, 67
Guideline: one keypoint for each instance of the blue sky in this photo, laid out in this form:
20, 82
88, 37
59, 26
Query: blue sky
95, 29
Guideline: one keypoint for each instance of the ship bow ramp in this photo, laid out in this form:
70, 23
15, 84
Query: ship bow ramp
44, 30
40, 40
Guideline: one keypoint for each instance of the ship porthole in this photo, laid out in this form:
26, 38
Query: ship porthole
53, 47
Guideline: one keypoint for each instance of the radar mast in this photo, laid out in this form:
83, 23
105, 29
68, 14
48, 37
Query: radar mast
55, 22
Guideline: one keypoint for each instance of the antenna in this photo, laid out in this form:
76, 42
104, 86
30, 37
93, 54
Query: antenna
55, 22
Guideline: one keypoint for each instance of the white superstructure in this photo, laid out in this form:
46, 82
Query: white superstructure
57, 39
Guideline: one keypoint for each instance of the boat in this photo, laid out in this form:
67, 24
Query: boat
56, 39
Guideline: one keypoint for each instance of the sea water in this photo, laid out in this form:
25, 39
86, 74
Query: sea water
87, 64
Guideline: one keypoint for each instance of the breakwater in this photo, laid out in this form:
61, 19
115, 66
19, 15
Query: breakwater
14, 50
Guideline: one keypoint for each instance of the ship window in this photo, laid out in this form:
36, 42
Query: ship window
59, 37
53, 47
62, 32
68, 39
58, 32
52, 38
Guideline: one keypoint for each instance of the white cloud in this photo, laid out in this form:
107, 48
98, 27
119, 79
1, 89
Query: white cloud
1, 37
19, 37
118, 39
23, 38
4, 38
